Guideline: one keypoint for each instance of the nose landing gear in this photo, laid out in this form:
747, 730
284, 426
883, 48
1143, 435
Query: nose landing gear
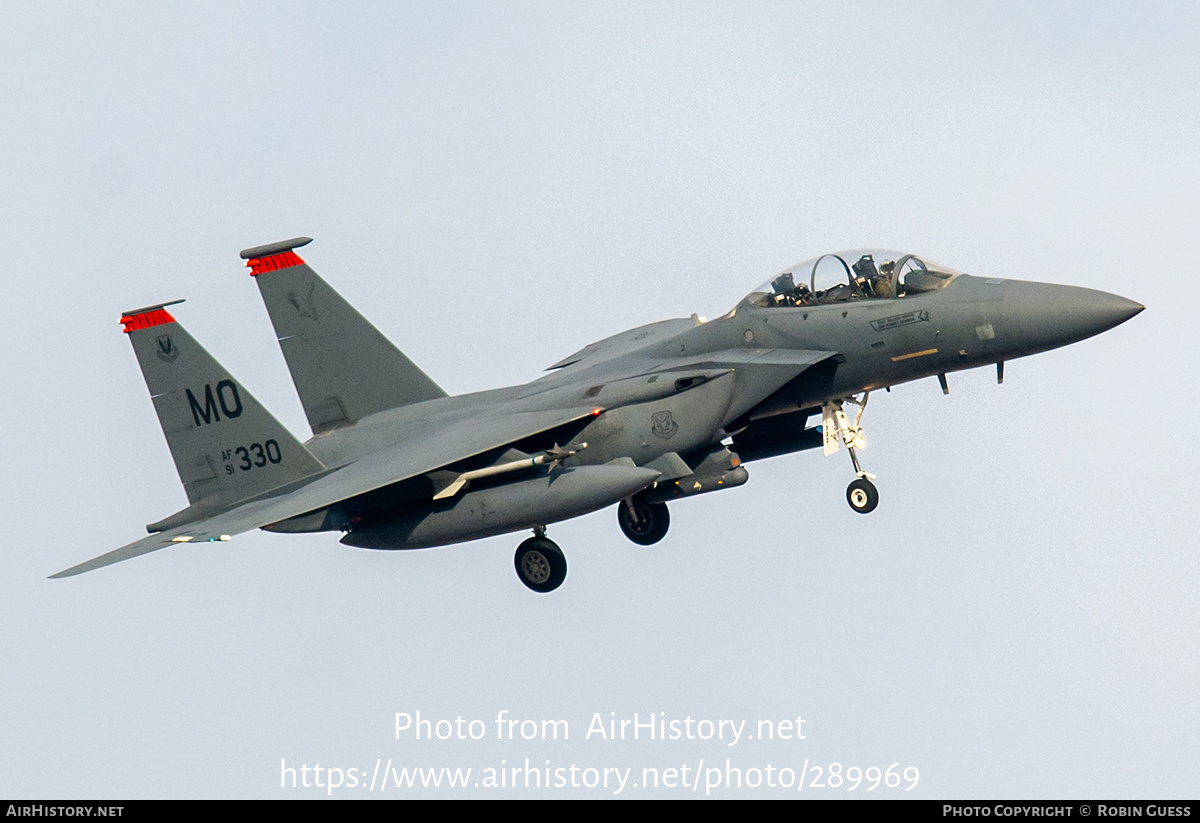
836, 429
862, 495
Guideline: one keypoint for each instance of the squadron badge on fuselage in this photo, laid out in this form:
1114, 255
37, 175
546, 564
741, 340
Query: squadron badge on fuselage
664, 425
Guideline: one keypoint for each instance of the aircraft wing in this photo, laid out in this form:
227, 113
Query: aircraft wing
624, 343
454, 440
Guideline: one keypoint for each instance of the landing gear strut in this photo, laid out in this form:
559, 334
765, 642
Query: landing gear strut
861, 494
643, 523
540, 563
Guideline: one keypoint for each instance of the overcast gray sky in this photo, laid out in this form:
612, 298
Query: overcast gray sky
496, 185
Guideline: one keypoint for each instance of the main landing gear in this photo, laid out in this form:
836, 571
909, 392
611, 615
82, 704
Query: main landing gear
643, 523
836, 429
540, 563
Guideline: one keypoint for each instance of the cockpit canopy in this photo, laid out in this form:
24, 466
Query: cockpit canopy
861, 274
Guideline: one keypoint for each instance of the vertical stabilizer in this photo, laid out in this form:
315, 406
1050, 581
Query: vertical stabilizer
226, 446
343, 367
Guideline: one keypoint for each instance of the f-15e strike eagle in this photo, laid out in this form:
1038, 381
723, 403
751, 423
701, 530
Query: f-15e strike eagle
665, 411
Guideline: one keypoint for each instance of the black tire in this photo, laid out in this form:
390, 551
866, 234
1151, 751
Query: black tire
541, 564
647, 524
862, 496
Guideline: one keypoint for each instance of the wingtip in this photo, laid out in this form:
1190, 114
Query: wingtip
64, 573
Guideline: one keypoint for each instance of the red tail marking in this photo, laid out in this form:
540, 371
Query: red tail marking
283, 260
146, 320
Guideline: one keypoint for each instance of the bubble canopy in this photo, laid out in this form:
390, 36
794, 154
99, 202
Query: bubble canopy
858, 274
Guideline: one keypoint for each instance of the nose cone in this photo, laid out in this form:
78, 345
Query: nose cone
1042, 316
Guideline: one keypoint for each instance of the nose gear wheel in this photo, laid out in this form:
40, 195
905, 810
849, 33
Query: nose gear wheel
836, 429
862, 496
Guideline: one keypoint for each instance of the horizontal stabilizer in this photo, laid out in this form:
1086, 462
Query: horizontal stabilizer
136, 549
401, 461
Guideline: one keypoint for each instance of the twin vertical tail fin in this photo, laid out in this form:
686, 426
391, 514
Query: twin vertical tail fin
343, 367
226, 446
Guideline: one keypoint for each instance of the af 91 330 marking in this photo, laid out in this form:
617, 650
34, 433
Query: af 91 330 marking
264, 453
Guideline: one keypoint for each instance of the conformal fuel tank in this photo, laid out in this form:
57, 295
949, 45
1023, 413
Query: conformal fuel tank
537, 501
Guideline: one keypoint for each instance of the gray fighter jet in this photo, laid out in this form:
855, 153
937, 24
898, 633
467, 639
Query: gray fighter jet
665, 411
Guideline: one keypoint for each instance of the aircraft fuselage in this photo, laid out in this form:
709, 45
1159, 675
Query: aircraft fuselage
664, 411
684, 392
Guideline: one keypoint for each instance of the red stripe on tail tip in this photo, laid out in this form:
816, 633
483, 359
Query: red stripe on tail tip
146, 320
283, 260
